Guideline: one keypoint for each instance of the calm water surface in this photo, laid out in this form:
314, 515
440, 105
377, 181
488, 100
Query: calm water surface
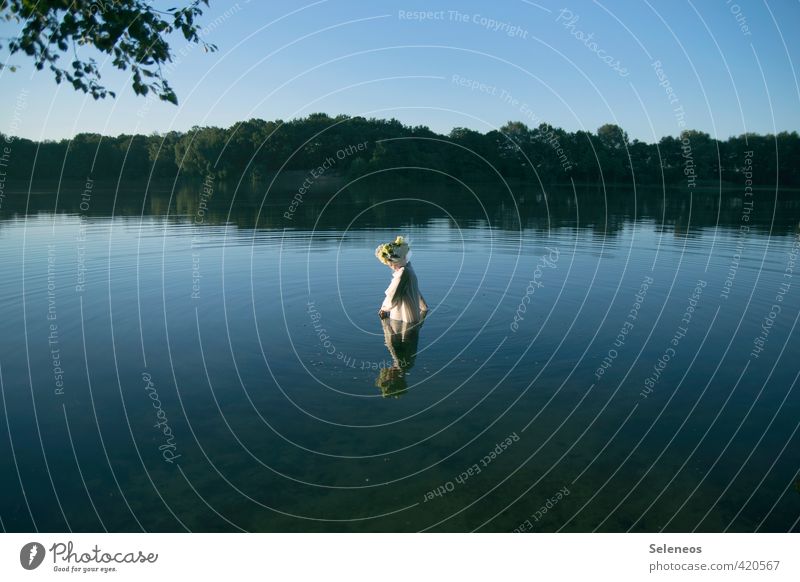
172, 360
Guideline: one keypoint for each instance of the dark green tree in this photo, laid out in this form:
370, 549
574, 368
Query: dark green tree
256, 148
613, 152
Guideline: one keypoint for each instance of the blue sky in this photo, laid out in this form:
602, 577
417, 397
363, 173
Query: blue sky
731, 66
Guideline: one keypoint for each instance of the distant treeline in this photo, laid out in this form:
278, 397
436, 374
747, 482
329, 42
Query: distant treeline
352, 146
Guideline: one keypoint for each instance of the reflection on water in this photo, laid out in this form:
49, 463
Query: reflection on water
401, 339
268, 375
602, 209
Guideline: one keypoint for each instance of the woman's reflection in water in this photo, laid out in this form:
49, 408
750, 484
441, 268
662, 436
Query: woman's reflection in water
401, 339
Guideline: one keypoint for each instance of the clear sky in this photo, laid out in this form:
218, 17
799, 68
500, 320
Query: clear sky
725, 68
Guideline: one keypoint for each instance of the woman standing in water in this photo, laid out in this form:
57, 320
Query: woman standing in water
403, 301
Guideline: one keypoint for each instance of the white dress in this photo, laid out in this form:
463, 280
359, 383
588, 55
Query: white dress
404, 301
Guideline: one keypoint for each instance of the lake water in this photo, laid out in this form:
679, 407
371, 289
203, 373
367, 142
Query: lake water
593, 359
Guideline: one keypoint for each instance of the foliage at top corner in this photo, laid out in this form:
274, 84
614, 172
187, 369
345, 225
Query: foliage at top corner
131, 32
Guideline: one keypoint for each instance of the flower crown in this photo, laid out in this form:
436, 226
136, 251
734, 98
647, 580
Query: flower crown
392, 252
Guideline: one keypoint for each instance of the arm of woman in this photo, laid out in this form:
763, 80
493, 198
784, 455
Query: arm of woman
391, 291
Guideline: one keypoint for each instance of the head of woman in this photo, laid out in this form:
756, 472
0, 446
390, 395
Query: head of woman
393, 254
